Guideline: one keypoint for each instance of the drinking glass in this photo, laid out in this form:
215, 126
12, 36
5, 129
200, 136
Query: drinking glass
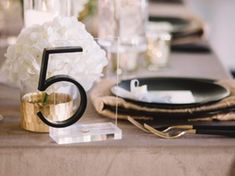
125, 20
40, 11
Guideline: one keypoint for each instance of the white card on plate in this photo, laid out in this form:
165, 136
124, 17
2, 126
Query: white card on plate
172, 96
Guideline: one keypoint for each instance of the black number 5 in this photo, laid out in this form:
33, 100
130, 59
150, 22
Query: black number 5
44, 83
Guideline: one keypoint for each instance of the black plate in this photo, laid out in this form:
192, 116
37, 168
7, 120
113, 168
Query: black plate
180, 26
175, 21
204, 91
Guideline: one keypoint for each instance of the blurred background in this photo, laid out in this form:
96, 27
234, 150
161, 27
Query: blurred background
218, 15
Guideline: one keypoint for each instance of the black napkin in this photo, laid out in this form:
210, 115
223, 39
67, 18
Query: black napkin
191, 48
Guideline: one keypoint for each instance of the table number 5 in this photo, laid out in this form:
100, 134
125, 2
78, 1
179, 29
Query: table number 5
44, 83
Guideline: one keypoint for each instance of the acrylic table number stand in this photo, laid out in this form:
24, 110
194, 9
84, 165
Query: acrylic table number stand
68, 131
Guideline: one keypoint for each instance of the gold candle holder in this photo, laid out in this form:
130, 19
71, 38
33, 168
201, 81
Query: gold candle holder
56, 107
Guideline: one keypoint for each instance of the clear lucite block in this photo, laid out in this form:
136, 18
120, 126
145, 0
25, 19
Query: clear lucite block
80, 133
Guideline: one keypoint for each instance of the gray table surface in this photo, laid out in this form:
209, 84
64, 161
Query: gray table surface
138, 153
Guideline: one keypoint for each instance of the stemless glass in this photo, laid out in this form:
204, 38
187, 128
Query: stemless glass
40, 11
125, 20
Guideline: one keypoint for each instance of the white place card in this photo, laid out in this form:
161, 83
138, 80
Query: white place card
172, 96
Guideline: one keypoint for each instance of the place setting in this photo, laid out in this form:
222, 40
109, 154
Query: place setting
171, 104
188, 32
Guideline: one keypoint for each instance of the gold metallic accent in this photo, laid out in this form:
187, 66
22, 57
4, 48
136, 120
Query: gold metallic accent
185, 127
56, 106
169, 135
137, 124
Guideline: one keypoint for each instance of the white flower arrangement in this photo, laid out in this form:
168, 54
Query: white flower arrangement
24, 57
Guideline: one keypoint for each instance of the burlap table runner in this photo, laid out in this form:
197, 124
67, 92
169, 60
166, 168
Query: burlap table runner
105, 103
194, 33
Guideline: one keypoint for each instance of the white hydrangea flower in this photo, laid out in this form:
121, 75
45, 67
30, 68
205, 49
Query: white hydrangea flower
24, 57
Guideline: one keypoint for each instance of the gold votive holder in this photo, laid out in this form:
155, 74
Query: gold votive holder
55, 106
